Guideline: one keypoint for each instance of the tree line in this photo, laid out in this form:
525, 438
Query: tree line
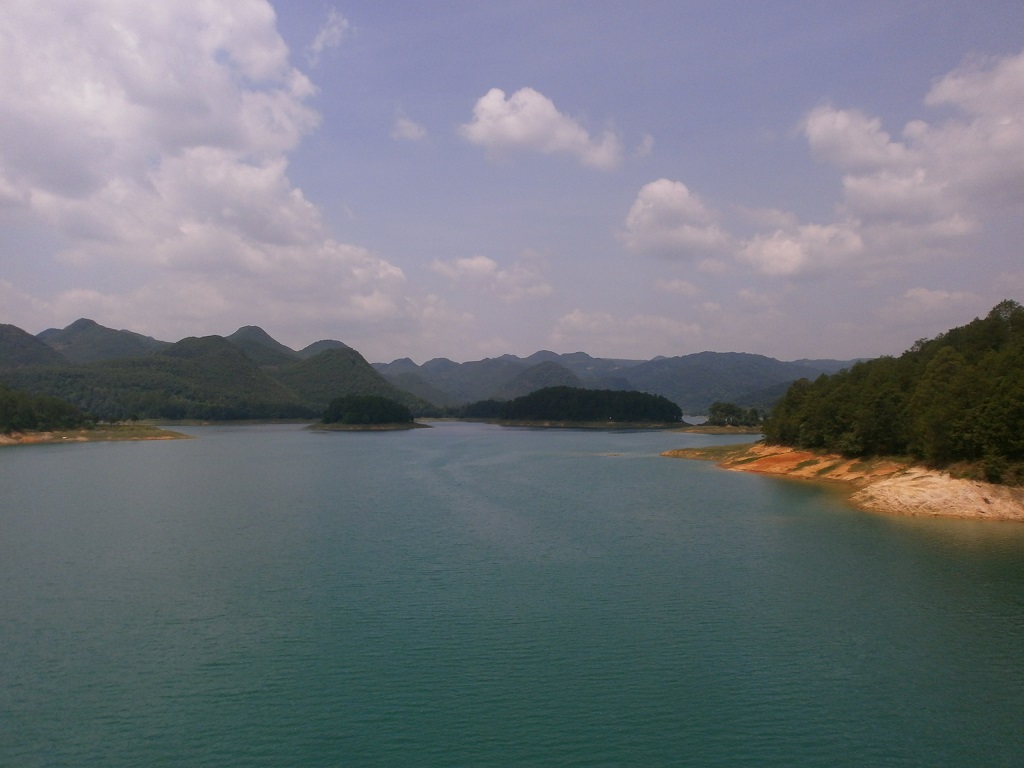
366, 409
590, 405
956, 398
22, 412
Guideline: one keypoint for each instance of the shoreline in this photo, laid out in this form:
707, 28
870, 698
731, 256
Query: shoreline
885, 485
389, 427
116, 432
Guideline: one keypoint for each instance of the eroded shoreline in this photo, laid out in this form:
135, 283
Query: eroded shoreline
95, 434
888, 486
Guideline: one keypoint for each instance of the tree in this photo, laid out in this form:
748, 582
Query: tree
366, 409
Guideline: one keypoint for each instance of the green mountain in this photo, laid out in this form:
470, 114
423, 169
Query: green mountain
539, 376
19, 349
115, 374
208, 378
196, 378
86, 341
696, 381
337, 372
414, 384
261, 348
319, 346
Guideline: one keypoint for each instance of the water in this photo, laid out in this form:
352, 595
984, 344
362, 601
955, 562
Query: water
470, 596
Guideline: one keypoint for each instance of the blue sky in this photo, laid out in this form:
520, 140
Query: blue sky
463, 179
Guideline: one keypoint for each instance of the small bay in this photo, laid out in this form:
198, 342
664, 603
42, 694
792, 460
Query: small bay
469, 595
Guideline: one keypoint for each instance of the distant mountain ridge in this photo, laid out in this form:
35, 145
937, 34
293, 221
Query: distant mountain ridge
693, 381
121, 373
118, 375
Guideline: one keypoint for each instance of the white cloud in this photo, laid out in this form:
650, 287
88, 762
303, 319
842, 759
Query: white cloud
924, 193
668, 219
523, 280
811, 246
906, 199
646, 146
528, 120
405, 129
158, 137
328, 36
851, 140
678, 287
919, 312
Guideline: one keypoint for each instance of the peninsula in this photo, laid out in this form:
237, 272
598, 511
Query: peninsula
884, 485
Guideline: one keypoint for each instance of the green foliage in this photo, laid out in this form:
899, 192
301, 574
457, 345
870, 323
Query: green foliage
85, 341
957, 397
20, 412
336, 372
19, 349
483, 409
207, 378
366, 409
731, 415
589, 405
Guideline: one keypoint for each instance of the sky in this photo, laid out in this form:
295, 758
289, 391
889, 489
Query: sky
465, 179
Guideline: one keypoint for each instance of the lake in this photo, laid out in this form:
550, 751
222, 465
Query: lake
470, 595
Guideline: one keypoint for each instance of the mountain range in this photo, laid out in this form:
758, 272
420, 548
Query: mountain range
118, 374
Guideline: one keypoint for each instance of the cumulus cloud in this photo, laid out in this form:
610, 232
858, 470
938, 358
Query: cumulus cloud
328, 36
668, 219
528, 120
405, 129
523, 280
920, 193
812, 246
158, 138
904, 198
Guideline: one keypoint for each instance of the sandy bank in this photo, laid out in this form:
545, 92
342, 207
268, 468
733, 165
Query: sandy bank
879, 485
115, 432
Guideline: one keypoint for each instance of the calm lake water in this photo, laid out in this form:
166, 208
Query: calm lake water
469, 595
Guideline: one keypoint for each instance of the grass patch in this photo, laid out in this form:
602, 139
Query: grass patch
828, 468
717, 453
808, 463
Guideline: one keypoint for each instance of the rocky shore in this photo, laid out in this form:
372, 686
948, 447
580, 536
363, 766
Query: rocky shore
878, 485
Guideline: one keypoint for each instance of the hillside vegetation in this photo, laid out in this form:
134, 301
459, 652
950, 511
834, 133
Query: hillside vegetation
956, 398
365, 409
591, 405
119, 374
20, 412
246, 376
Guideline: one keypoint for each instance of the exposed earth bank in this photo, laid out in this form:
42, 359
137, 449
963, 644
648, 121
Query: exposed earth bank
879, 485
112, 432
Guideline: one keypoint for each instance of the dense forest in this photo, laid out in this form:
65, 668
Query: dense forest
956, 398
732, 415
590, 405
366, 409
208, 378
21, 412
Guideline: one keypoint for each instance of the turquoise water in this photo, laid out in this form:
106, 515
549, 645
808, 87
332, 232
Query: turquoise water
470, 596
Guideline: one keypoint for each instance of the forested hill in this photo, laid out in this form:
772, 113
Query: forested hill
573, 404
956, 398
